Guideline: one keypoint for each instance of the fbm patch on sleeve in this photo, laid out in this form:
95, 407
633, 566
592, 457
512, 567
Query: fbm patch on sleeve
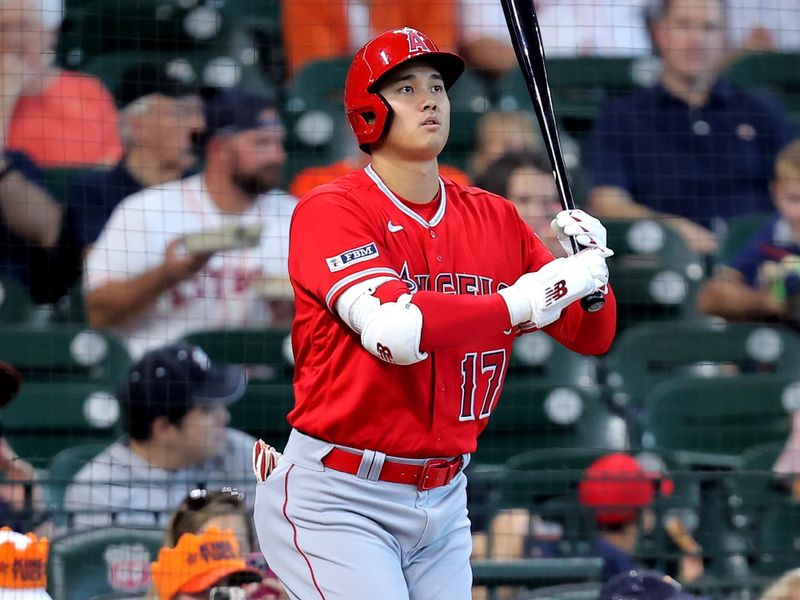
351, 257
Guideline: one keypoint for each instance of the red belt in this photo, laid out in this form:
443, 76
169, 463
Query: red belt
434, 473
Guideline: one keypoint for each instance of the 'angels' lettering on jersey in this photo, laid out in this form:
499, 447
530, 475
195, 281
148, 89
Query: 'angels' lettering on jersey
450, 283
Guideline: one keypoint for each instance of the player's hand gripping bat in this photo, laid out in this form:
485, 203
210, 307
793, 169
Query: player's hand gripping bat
526, 37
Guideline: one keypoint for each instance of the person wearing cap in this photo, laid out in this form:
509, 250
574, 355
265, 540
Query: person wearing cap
618, 491
140, 280
174, 404
23, 566
159, 117
198, 564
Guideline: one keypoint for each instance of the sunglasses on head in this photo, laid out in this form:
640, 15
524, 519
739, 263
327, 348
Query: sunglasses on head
199, 498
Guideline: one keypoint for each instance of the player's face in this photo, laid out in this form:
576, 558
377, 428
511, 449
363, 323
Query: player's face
201, 433
166, 129
786, 193
691, 37
259, 156
421, 122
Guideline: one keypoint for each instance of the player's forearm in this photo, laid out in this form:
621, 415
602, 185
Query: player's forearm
737, 301
118, 302
587, 332
451, 320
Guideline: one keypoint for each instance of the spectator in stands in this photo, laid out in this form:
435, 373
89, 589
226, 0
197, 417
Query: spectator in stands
618, 493
569, 28
762, 280
23, 566
21, 505
323, 30
61, 117
311, 177
785, 588
141, 281
179, 575
159, 119
499, 132
36, 249
527, 180
693, 150
226, 510
175, 412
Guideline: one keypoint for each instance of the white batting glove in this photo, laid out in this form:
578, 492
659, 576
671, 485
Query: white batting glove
539, 297
587, 231
265, 459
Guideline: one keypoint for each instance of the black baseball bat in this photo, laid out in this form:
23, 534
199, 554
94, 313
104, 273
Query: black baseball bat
526, 36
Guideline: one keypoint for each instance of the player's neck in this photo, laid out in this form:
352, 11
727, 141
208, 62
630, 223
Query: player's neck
416, 182
146, 169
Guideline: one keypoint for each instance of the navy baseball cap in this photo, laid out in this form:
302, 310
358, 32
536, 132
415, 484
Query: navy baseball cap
234, 110
181, 376
644, 585
145, 78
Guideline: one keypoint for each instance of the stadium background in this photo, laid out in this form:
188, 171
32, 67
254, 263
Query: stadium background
709, 403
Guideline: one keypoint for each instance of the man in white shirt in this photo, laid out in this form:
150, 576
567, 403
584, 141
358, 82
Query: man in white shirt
175, 407
142, 283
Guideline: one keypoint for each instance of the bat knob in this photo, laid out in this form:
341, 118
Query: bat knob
593, 302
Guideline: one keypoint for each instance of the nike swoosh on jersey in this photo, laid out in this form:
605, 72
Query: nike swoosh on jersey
394, 228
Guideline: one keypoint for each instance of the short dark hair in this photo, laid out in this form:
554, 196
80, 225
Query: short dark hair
138, 417
496, 176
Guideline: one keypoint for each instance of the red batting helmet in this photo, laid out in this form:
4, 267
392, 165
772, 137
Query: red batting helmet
369, 114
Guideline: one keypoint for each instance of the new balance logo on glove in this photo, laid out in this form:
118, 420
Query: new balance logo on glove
555, 292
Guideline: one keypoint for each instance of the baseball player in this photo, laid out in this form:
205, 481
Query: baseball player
409, 291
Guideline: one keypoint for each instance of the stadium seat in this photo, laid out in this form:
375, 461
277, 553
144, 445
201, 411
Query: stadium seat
46, 418
649, 353
64, 353
87, 564
721, 414
753, 488
778, 539
63, 467
655, 275
15, 303
772, 72
170, 26
551, 398
536, 571
217, 69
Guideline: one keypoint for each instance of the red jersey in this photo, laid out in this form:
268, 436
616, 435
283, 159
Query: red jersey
355, 229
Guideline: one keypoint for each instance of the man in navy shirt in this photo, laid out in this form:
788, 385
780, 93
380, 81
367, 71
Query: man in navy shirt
693, 149
160, 114
762, 280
